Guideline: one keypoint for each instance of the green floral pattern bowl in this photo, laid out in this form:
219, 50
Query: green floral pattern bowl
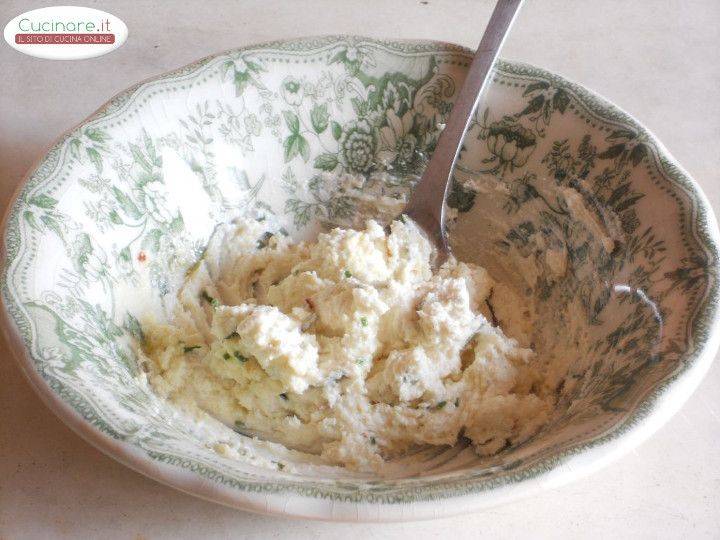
104, 227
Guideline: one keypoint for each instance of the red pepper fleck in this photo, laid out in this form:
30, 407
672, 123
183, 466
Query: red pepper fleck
141, 256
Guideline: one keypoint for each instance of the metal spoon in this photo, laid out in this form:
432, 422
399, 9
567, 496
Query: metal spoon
427, 203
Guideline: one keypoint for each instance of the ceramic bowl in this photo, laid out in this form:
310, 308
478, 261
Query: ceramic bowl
106, 223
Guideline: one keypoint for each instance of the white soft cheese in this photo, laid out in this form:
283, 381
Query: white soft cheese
349, 347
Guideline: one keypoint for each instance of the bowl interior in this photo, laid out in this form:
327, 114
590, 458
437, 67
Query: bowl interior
557, 193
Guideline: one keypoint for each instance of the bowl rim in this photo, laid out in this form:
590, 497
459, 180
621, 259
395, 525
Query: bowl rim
577, 461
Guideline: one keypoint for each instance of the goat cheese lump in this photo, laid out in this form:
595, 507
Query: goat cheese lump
351, 347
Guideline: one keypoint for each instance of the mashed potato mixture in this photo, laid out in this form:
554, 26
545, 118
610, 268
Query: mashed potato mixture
351, 347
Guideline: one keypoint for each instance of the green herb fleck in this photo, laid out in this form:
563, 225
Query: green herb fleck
264, 240
280, 466
361, 361
348, 274
239, 357
284, 396
441, 404
209, 299
192, 348
226, 356
363, 321
457, 402
232, 335
372, 440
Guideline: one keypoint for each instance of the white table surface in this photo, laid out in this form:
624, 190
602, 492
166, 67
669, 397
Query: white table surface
659, 60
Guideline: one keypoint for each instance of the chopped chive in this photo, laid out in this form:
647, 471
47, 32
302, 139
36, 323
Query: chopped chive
264, 240
348, 274
361, 361
372, 440
209, 299
240, 357
441, 404
280, 466
192, 348
284, 396
226, 356
363, 321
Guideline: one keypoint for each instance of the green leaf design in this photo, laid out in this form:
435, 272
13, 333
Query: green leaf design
319, 118
627, 203
535, 105
97, 135
358, 106
151, 242
540, 85
612, 152
75, 146
300, 210
140, 158
52, 224
30, 218
637, 154
132, 325
155, 159
304, 148
43, 201
127, 205
115, 218
561, 100
296, 144
339, 57
82, 248
177, 224
292, 121
252, 66
124, 254
336, 130
618, 193
621, 134
291, 147
461, 198
95, 158
225, 68
242, 79
326, 162
145, 178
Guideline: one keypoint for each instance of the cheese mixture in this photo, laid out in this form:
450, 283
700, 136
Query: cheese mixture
351, 347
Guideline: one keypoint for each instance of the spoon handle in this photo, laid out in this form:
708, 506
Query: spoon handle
427, 202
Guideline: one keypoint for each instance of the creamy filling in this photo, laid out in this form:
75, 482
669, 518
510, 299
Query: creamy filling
350, 347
